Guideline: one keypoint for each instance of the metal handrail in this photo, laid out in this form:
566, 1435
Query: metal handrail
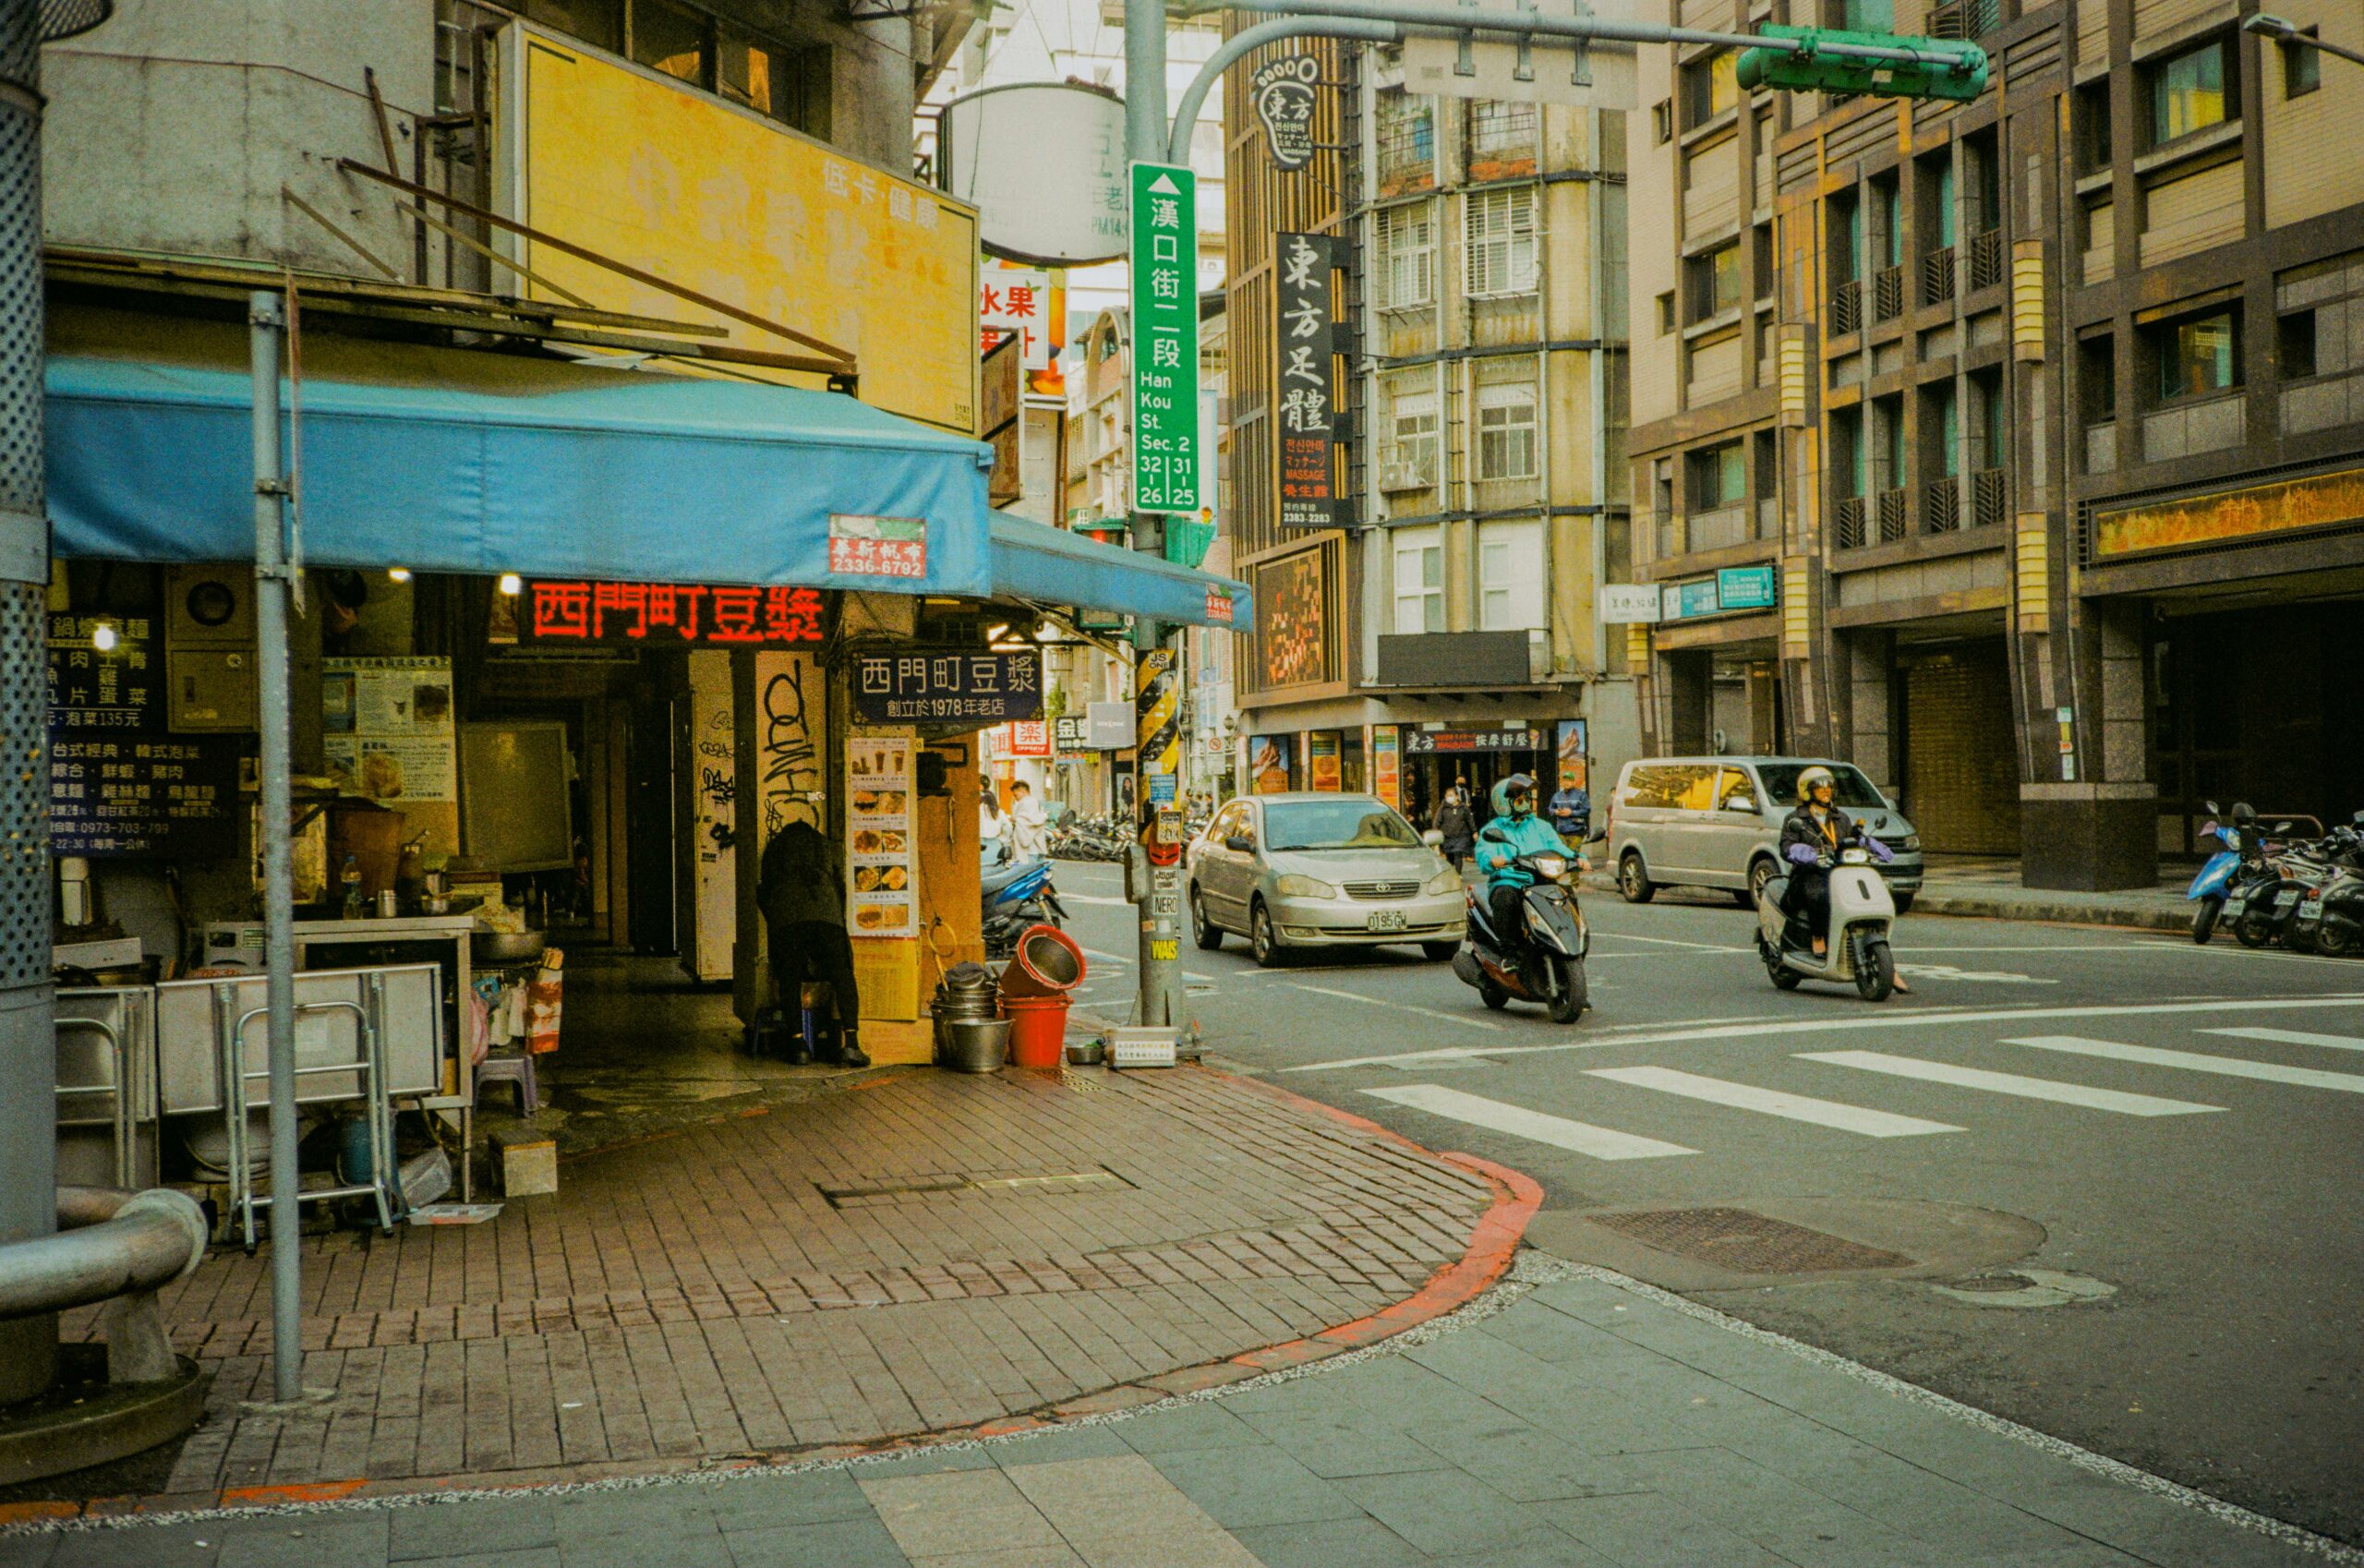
111, 1242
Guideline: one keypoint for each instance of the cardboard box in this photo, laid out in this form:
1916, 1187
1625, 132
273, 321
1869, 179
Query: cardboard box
525, 1164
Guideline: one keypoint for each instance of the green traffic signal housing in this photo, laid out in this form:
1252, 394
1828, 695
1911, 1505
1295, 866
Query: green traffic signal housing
1958, 71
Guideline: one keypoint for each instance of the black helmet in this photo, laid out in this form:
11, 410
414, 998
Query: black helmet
1815, 778
2243, 813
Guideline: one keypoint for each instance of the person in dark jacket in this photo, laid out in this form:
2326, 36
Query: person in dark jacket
803, 902
1459, 828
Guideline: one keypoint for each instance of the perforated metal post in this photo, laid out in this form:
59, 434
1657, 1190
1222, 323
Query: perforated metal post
28, 1038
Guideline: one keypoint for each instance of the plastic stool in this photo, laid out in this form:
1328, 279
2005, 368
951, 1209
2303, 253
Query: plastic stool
518, 1071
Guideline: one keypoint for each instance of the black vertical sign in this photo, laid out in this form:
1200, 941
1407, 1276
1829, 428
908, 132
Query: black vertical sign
1304, 396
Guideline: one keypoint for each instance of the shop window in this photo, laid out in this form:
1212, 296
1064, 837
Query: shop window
2297, 345
673, 40
1709, 88
1407, 142
1718, 477
2198, 355
1714, 280
1419, 580
1499, 243
1510, 575
2302, 64
1408, 249
2189, 92
1506, 432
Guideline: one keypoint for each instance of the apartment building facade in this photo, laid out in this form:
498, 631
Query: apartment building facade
2043, 432
1448, 632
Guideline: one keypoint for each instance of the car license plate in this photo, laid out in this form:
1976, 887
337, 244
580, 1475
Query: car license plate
2287, 897
1385, 919
2312, 910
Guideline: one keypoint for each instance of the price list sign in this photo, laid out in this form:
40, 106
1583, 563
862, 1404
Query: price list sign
91, 688
884, 897
125, 795
1165, 338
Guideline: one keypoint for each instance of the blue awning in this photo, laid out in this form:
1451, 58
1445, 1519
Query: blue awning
1050, 566
453, 461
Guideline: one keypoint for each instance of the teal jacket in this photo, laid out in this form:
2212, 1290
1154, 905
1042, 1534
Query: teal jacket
1507, 838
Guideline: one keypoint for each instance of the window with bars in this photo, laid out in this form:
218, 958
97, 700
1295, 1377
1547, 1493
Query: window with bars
1406, 137
1506, 432
1502, 139
1498, 244
1407, 248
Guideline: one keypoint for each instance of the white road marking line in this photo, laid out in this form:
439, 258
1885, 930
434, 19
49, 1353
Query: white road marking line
1918, 1017
2294, 1037
1400, 1006
1670, 942
1773, 1102
1091, 898
2009, 1084
2145, 948
1582, 1138
2194, 1061
1106, 958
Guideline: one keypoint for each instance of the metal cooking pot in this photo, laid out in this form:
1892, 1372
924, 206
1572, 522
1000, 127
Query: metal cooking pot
976, 1044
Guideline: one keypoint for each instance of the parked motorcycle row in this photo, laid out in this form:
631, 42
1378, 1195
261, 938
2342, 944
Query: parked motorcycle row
2273, 885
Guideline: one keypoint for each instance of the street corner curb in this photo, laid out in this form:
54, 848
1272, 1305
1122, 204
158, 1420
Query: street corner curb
1976, 905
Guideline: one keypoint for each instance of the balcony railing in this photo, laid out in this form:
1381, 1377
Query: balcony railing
1888, 293
1724, 527
1990, 497
1846, 308
1938, 276
1985, 259
1964, 18
1894, 509
1848, 517
1941, 505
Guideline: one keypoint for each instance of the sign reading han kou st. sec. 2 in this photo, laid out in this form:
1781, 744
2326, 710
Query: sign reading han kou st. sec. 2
1165, 338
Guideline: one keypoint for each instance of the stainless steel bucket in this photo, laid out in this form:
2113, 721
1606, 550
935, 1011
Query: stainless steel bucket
975, 1044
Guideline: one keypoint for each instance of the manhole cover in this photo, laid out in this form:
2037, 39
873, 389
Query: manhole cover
1994, 1281
1747, 1243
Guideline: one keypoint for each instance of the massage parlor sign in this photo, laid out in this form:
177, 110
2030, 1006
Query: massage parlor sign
696, 615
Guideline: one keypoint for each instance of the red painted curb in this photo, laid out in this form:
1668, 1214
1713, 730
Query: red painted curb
1493, 1241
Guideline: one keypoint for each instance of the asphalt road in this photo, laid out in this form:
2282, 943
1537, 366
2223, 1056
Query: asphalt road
2189, 1217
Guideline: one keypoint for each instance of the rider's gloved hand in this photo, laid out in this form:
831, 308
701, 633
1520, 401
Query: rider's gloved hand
1802, 854
1879, 851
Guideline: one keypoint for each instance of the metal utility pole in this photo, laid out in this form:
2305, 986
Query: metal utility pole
267, 315
28, 1026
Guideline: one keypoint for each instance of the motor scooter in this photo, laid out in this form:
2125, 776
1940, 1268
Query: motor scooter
2209, 888
2329, 919
1543, 964
1862, 914
1017, 895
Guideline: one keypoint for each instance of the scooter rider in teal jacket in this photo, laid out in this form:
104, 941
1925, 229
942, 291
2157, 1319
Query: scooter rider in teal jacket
1515, 831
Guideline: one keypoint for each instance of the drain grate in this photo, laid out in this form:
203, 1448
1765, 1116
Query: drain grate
1748, 1243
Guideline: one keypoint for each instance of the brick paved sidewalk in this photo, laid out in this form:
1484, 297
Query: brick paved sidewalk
919, 1253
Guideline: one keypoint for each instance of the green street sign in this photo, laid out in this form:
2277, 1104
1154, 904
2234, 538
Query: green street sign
1958, 74
1165, 338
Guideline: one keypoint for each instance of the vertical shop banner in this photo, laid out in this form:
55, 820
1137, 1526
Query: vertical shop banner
1322, 760
387, 733
1386, 767
1304, 337
1165, 338
882, 899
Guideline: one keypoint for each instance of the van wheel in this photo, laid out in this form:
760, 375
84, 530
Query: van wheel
1633, 881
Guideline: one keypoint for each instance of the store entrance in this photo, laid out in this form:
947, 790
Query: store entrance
1961, 777
2253, 705
1427, 775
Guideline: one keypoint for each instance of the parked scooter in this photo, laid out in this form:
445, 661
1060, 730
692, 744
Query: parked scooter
1543, 964
2329, 919
1861, 912
1018, 894
2210, 888
2263, 911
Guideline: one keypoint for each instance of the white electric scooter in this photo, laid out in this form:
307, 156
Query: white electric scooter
1861, 913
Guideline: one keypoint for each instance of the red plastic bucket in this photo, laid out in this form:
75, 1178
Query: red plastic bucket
1047, 963
1038, 1029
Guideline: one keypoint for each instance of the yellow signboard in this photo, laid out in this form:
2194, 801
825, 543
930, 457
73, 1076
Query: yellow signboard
716, 199
2232, 515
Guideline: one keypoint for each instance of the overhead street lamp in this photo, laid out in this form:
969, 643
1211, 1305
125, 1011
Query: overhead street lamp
2281, 29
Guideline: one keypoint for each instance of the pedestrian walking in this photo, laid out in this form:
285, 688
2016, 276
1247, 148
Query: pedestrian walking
1025, 821
1456, 825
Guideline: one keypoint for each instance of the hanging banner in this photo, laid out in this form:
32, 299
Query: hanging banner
1305, 338
1386, 770
1282, 90
1268, 764
1321, 761
882, 899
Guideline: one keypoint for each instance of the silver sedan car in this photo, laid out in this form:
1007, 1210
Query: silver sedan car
1314, 870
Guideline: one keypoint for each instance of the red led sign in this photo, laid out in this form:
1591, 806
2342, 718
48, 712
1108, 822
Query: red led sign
696, 614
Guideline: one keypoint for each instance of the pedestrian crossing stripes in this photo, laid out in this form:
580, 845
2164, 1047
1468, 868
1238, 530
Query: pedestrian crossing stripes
2293, 1037
1775, 1102
2194, 1061
2009, 1084
1580, 1137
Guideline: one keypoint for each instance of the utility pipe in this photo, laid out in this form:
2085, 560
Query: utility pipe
109, 1243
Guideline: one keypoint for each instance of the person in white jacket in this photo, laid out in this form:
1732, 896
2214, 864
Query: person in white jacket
1028, 823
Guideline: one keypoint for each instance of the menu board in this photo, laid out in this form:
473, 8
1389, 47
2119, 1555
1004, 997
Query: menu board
125, 795
882, 895
91, 689
387, 733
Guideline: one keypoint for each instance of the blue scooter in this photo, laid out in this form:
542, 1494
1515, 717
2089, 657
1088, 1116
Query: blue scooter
2215, 878
1017, 895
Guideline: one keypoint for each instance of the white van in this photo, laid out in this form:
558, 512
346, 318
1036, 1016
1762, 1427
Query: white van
1716, 822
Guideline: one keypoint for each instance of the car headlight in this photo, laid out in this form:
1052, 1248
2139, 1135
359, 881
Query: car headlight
1295, 887
1912, 840
1443, 882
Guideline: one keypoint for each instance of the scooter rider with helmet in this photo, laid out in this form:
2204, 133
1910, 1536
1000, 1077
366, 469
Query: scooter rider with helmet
1811, 841
1515, 831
